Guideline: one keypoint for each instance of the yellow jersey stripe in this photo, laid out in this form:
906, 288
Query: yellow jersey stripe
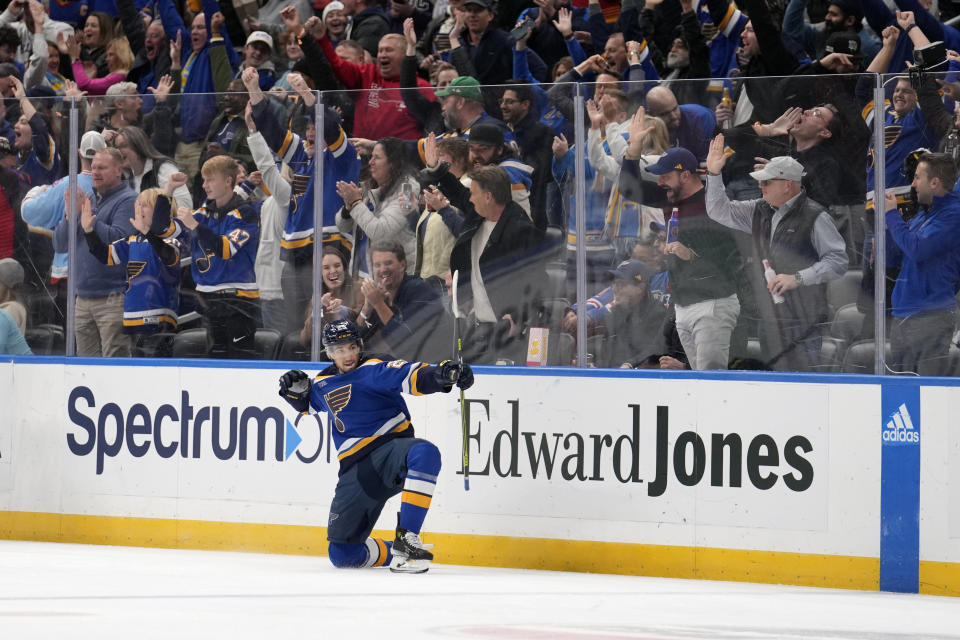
139, 322
726, 17
413, 381
416, 499
287, 141
296, 244
341, 140
360, 445
381, 545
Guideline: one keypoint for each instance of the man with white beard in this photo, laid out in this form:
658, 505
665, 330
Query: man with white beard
687, 59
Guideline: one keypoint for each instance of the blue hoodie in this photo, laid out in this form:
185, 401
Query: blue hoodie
926, 250
114, 210
198, 110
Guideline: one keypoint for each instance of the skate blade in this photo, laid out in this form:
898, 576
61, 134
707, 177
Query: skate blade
403, 565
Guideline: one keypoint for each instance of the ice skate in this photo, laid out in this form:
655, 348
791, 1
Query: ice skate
410, 555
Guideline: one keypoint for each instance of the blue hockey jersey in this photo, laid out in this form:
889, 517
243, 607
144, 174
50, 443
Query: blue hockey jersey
224, 248
42, 165
365, 404
901, 136
729, 21
340, 162
153, 287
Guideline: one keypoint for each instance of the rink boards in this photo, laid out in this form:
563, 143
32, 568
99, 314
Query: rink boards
833, 481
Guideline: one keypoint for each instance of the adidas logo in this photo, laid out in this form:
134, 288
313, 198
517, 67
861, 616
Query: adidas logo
899, 428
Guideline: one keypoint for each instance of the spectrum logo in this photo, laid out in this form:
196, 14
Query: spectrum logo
224, 432
899, 428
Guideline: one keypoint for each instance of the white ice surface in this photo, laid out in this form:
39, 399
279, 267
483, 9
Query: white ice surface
54, 591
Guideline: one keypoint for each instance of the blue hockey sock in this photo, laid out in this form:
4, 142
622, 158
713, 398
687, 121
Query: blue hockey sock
423, 465
375, 552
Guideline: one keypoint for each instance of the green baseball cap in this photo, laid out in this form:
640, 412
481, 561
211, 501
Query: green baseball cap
463, 86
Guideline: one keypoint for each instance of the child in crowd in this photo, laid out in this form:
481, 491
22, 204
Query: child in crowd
225, 234
153, 269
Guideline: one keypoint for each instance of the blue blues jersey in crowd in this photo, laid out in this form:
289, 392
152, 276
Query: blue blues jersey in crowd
724, 44
42, 165
596, 201
153, 287
521, 175
224, 248
901, 136
340, 162
365, 404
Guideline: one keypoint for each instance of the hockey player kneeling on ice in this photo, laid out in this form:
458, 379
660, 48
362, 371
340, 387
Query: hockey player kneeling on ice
379, 455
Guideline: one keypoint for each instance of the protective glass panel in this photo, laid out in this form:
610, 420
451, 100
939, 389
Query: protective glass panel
471, 200
920, 216
751, 243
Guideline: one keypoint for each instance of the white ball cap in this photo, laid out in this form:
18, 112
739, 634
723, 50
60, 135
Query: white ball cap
90, 143
780, 168
260, 36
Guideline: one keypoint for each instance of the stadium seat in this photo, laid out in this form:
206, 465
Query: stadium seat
597, 346
267, 343
847, 323
844, 290
557, 281
42, 310
829, 353
46, 340
859, 357
554, 240
191, 343
291, 349
560, 350
553, 312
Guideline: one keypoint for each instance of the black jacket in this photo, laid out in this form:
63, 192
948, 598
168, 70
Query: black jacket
635, 333
773, 60
511, 264
535, 139
427, 112
416, 307
490, 61
369, 26
714, 270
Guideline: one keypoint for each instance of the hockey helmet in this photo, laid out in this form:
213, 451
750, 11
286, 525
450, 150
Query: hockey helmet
341, 332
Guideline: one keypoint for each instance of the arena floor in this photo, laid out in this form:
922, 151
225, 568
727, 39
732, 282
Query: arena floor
79, 591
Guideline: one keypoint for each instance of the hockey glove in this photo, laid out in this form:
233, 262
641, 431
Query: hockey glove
465, 381
295, 389
447, 373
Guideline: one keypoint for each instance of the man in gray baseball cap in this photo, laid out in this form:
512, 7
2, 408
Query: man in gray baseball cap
797, 250
780, 168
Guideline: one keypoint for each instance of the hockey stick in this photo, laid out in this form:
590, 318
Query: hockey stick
463, 415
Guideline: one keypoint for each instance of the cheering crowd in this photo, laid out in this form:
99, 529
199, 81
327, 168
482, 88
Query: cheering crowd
728, 182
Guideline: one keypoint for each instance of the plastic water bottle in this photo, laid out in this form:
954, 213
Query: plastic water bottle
673, 226
769, 274
406, 199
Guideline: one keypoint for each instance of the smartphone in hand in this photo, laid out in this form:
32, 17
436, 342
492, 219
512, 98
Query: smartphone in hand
521, 31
